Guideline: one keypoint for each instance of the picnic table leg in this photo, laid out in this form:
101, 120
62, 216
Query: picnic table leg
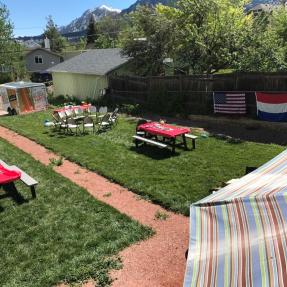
193, 143
184, 142
33, 191
173, 145
12, 191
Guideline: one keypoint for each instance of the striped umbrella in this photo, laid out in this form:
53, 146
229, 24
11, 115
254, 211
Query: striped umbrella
268, 179
238, 236
240, 243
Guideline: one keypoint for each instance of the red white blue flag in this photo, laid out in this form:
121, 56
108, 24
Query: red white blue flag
272, 106
229, 103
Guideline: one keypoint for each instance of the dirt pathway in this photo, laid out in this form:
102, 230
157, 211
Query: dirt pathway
157, 262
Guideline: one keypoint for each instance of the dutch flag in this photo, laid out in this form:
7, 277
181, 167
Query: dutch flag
272, 106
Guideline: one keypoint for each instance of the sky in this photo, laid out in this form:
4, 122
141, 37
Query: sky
29, 16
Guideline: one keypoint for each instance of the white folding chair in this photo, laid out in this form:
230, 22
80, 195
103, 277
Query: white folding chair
103, 110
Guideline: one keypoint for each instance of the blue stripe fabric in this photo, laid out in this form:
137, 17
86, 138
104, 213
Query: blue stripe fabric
272, 117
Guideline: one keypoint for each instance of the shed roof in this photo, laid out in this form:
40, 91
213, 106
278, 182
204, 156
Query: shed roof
21, 85
94, 62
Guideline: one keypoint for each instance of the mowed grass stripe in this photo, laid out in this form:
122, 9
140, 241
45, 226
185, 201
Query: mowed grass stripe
172, 181
63, 235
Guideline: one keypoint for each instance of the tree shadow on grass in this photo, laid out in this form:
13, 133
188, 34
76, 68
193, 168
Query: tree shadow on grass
154, 152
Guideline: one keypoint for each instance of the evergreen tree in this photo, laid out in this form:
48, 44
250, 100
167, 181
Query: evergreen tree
57, 42
11, 59
92, 31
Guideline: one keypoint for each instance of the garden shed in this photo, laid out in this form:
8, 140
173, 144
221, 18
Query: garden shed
22, 97
86, 75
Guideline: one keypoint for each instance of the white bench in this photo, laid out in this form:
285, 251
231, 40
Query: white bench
156, 143
233, 180
192, 137
25, 178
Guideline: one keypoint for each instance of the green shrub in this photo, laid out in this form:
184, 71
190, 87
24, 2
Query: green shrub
61, 100
5, 78
130, 109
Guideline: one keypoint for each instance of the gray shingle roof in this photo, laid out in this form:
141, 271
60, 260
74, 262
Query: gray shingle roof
93, 62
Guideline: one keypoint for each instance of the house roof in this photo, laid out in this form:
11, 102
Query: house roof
42, 49
94, 62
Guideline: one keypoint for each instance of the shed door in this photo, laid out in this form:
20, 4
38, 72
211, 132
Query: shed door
25, 101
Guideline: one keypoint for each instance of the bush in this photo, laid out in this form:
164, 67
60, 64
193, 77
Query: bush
5, 78
61, 100
130, 109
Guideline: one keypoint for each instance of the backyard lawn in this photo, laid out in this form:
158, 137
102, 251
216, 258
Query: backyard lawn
65, 235
172, 181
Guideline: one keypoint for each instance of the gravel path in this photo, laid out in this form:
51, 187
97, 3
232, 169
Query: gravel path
157, 262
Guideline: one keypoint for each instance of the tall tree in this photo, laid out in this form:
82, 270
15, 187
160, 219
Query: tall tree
57, 42
11, 59
209, 33
148, 39
92, 31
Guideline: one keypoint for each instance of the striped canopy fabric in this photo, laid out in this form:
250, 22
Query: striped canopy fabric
241, 243
268, 179
238, 236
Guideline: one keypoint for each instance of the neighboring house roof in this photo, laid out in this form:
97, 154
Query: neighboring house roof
42, 49
93, 62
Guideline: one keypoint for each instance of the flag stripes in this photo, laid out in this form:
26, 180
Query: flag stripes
229, 103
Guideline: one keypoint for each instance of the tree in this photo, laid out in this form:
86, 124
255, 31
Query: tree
57, 42
209, 33
148, 39
104, 33
92, 31
11, 58
265, 45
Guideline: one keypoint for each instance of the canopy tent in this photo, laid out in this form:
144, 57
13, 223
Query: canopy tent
268, 179
241, 243
238, 236
21, 97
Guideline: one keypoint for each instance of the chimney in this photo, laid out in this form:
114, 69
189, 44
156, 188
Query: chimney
47, 43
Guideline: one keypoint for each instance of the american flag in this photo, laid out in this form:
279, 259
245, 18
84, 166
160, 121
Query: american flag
229, 103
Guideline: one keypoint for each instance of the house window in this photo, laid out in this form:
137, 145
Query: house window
38, 60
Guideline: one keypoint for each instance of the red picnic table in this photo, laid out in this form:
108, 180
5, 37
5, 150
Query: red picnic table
166, 131
11, 173
8, 176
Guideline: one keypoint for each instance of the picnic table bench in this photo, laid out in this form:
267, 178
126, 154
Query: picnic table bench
143, 139
25, 178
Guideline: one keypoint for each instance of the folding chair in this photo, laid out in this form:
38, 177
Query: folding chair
72, 125
88, 123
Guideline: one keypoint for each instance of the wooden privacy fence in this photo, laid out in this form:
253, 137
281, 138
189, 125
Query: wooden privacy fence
191, 94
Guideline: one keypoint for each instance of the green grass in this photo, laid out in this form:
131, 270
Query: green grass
172, 181
65, 235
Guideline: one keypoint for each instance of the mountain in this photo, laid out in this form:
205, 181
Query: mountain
148, 3
81, 23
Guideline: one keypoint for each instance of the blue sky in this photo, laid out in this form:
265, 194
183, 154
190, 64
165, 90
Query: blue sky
29, 16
